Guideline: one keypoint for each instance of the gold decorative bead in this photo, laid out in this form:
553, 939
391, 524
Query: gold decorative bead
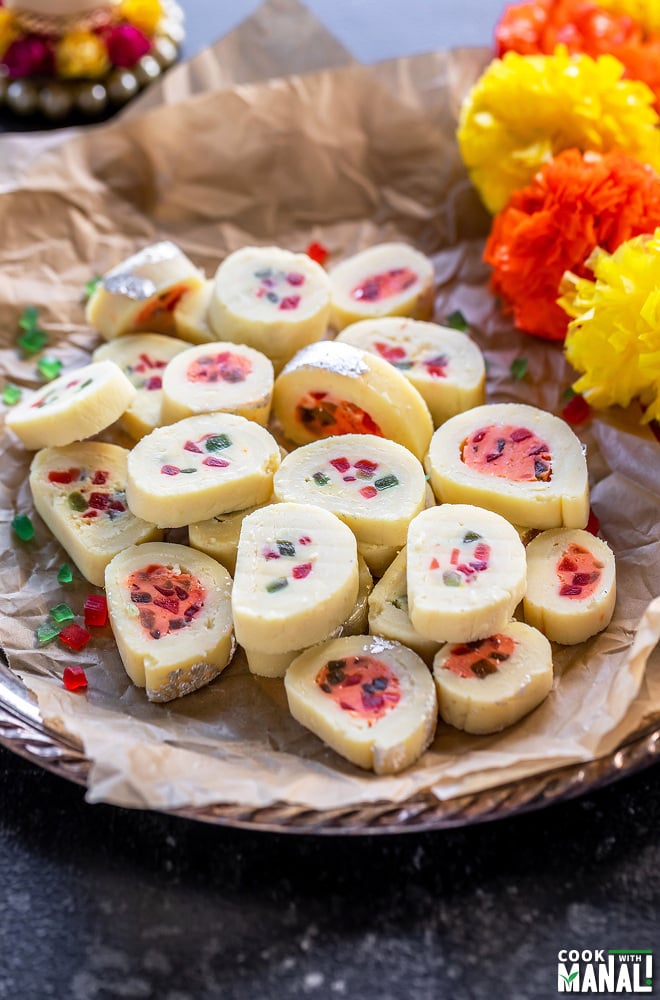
147, 70
22, 97
56, 100
122, 85
92, 98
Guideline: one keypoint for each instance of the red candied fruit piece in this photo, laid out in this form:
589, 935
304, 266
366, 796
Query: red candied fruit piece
368, 492
74, 678
99, 501
63, 475
305, 540
576, 411
191, 446
340, 464
300, 572
154, 382
100, 477
318, 252
593, 524
365, 465
75, 636
96, 611
290, 302
216, 463
295, 278
170, 470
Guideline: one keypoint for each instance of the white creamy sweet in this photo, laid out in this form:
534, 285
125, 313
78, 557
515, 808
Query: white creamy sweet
390, 279
371, 700
271, 299
79, 492
331, 388
231, 378
73, 407
375, 486
200, 467
486, 686
466, 572
143, 358
296, 577
141, 293
388, 611
571, 585
517, 460
170, 612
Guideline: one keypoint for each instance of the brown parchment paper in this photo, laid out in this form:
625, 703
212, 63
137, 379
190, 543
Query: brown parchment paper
349, 156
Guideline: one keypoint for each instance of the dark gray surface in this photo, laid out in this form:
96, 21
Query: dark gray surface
100, 903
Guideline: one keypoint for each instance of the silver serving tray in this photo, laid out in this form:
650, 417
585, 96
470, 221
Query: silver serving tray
23, 731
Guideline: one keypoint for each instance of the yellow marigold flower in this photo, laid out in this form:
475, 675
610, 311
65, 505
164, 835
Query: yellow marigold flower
144, 14
8, 30
524, 109
81, 53
614, 337
645, 12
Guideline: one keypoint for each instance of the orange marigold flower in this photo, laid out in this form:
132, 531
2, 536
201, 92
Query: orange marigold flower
577, 202
539, 26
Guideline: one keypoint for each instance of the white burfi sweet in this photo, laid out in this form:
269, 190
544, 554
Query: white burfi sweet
390, 279
140, 294
445, 366
296, 577
330, 388
571, 585
200, 467
191, 315
517, 460
372, 700
388, 611
170, 611
72, 407
231, 378
143, 358
218, 536
375, 486
271, 299
484, 687
79, 491
466, 572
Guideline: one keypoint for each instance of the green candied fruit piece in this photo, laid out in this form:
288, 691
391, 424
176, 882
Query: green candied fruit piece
218, 442
451, 579
519, 368
11, 394
23, 527
77, 501
91, 286
62, 613
457, 321
276, 585
64, 574
50, 368
32, 341
471, 536
386, 482
285, 548
47, 632
320, 479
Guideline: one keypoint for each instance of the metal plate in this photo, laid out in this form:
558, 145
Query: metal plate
23, 732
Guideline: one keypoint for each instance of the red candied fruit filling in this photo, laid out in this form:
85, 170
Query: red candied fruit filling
63, 476
225, 366
384, 285
508, 452
168, 601
325, 415
481, 657
578, 572
364, 686
162, 304
435, 366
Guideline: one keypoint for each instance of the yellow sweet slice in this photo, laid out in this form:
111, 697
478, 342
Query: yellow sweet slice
486, 686
372, 700
72, 407
191, 315
329, 389
170, 611
388, 611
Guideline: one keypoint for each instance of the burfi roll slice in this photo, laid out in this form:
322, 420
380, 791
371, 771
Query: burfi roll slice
517, 460
388, 611
141, 293
571, 585
375, 486
390, 279
371, 700
79, 491
487, 685
296, 577
445, 366
200, 467
270, 299
331, 388
466, 572
231, 378
72, 407
143, 358
170, 611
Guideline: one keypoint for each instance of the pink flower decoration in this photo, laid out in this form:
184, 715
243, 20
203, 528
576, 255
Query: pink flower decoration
126, 44
29, 56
